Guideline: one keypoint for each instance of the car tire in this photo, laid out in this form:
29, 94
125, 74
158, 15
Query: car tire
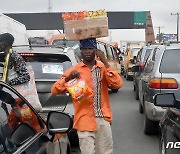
140, 108
114, 90
124, 75
134, 87
136, 94
162, 147
69, 149
128, 77
149, 126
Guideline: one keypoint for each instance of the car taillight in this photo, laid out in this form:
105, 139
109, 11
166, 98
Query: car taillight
27, 54
141, 65
164, 83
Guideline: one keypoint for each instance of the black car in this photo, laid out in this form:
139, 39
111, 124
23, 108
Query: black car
169, 124
22, 130
142, 56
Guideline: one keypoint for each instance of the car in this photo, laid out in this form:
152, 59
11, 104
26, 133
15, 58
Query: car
129, 61
142, 56
38, 40
161, 74
48, 64
23, 130
169, 124
111, 53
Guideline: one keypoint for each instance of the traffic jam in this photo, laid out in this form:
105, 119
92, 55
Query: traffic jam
77, 92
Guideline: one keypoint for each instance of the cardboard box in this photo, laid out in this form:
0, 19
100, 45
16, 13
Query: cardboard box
86, 28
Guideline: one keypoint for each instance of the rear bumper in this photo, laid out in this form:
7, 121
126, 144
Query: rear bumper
154, 113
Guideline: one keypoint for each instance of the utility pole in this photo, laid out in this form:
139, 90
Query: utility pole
159, 30
177, 14
110, 35
50, 32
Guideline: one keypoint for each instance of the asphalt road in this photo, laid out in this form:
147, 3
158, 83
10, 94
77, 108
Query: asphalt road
127, 126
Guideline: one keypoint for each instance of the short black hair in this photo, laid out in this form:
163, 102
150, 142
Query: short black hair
7, 38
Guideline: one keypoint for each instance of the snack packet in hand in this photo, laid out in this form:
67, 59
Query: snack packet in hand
79, 90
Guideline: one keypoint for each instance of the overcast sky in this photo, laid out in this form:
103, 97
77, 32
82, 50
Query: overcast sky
160, 12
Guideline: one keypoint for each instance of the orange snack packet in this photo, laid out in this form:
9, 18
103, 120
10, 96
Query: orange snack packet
79, 90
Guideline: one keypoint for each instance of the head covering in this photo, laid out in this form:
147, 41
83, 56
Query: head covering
86, 43
7, 37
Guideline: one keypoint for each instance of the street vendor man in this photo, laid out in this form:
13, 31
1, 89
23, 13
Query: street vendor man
93, 117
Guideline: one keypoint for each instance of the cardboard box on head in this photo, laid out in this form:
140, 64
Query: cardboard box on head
87, 27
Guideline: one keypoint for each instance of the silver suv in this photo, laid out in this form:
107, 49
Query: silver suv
161, 74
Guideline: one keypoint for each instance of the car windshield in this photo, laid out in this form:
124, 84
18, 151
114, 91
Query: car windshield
38, 40
48, 66
134, 52
167, 66
69, 43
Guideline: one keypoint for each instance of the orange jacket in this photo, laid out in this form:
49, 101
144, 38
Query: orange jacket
84, 119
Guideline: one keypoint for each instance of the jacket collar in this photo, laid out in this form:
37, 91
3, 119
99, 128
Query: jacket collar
97, 64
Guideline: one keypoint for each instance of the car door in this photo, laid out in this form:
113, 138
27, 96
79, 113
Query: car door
21, 129
171, 131
145, 77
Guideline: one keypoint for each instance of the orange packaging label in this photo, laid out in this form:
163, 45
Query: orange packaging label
79, 90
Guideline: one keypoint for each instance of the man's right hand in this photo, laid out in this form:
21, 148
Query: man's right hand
72, 75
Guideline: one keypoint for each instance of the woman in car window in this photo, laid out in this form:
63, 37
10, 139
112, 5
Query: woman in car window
19, 113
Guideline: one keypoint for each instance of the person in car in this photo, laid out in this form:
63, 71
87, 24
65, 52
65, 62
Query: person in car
16, 61
92, 118
19, 113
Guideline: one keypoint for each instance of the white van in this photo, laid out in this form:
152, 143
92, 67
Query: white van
17, 29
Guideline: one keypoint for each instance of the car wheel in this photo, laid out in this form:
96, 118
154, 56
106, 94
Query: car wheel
162, 146
149, 127
134, 88
114, 90
140, 108
124, 75
136, 94
68, 149
128, 77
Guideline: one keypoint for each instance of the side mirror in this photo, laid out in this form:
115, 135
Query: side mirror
135, 69
22, 133
59, 122
165, 100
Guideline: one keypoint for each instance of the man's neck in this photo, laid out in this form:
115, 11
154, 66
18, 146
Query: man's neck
89, 63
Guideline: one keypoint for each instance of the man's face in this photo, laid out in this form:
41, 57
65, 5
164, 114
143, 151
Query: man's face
88, 54
2, 46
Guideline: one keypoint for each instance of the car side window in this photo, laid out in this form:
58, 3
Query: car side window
150, 62
139, 55
102, 48
14, 112
110, 55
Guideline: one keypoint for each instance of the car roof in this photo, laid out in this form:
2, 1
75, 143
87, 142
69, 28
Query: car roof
45, 50
69, 52
172, 46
